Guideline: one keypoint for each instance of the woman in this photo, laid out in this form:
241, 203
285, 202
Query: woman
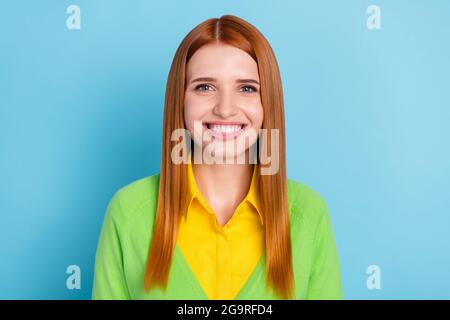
221, 220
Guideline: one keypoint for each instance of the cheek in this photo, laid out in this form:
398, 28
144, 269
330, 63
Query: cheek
194, 109
256, 114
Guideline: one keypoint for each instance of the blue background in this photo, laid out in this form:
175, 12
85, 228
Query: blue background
367, 116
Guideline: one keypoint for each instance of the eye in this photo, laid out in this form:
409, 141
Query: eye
248, 89
203, 87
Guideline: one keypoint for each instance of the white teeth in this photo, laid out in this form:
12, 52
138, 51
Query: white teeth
225, 129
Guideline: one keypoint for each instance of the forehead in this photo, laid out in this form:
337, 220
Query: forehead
221, 60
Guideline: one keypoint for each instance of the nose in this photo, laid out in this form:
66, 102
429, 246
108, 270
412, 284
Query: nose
225, 106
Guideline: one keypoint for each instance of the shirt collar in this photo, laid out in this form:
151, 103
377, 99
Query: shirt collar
252, 195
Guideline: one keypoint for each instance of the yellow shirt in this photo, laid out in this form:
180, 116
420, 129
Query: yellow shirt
221, 258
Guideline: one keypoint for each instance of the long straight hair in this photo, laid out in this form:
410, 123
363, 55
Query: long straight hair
173, 187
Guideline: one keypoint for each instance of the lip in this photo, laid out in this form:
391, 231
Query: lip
224, 135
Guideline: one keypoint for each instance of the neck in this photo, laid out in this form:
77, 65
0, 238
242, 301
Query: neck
223, 185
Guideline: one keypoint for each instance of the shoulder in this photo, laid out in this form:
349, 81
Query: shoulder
305, 203
131, 199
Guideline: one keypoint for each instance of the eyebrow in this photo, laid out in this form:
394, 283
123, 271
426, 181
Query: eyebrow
207, 79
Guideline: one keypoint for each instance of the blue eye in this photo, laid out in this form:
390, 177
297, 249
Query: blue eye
248, 89
203, 87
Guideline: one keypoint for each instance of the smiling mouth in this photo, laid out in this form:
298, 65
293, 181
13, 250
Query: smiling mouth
225, 129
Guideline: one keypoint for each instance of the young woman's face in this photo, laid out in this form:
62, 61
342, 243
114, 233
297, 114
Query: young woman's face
223, 97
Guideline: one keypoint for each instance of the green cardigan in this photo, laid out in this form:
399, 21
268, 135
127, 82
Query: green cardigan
126, 235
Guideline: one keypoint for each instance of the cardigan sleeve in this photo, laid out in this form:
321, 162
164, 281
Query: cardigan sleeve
325, 279
109, 277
